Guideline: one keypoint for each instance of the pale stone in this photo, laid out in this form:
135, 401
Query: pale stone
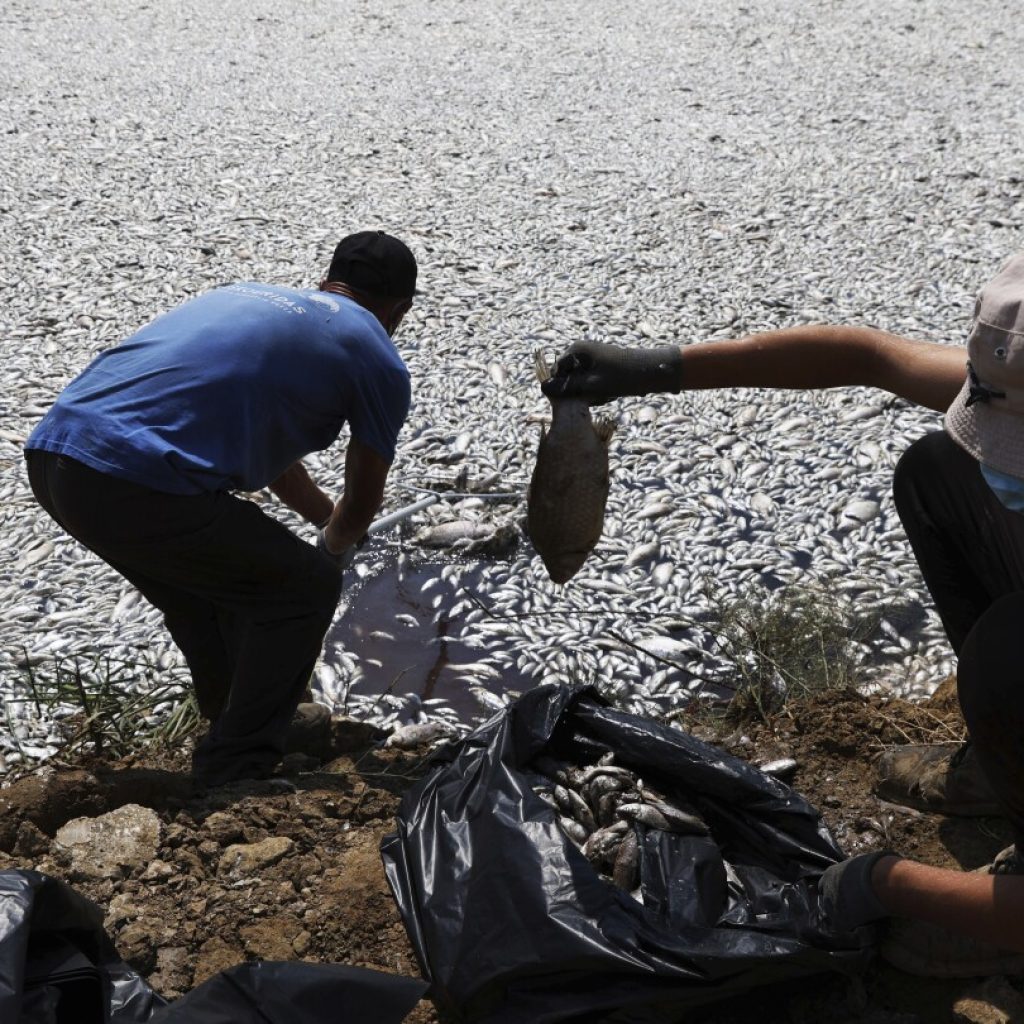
112, 845
993, 1001
247, 858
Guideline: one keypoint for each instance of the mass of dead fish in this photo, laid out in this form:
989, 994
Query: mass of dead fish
526, 243
600, 808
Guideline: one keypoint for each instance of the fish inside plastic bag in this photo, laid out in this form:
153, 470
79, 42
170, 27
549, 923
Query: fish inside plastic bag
512, 923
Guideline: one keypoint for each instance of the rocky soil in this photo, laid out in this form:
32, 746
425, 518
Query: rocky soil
290, 870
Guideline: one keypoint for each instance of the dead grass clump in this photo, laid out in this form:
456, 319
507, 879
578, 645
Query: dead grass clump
786, 644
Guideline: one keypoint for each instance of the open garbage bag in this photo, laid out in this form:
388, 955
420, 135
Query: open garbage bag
57, 965
512, 924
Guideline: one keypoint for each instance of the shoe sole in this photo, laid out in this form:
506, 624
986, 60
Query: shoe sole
973, 809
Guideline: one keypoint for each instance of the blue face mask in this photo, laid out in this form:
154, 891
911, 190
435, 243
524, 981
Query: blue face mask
1008, 489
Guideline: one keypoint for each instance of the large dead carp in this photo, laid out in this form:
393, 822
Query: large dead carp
569, 487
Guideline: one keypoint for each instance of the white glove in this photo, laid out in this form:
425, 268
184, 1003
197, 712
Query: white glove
344, 559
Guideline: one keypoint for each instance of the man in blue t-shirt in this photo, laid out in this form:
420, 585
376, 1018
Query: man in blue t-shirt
139, 456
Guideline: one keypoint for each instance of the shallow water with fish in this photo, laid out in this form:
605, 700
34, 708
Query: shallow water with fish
551, 193
406, 647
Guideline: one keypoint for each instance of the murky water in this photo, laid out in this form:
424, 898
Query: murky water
406, 642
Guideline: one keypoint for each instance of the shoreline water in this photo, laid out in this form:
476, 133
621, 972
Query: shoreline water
558, 178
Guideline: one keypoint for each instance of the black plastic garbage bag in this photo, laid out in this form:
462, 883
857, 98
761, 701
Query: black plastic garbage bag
57, 965
269, 992
512, 924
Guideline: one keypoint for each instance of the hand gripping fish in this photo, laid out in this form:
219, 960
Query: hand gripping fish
569, 487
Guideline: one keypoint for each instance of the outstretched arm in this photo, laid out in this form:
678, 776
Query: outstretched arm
826, 357
987, 907
808, 357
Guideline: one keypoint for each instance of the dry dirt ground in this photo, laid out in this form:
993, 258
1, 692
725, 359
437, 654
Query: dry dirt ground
318, 893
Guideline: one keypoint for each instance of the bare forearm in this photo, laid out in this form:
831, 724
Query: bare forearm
349, 522
365, 475
987, 907
295, 487
824, 356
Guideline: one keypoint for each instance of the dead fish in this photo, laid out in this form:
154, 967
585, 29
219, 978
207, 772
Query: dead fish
574, 830
645, 814
445, 535
580, 811
680, 820
491, 482
565, 802
569, 487
664, 817
607, 807
417, 734
581, 776
626, 870
469, 537
783, 768
601, 786
679, 815
602, 845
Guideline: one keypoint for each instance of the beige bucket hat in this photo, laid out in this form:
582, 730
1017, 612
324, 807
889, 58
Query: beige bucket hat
987, 417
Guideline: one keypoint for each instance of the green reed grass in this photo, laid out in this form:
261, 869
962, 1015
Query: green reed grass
118, 706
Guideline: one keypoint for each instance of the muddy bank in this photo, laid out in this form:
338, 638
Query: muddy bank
291, 870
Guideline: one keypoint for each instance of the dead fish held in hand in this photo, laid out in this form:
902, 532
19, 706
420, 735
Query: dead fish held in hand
569, 487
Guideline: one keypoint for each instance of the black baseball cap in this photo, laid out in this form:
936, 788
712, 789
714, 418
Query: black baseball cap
375, 262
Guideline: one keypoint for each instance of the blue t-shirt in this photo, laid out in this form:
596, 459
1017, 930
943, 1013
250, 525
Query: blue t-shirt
228, 390
1008, 489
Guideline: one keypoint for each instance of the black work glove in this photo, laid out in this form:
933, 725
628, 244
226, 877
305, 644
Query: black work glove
599, 372
846, 898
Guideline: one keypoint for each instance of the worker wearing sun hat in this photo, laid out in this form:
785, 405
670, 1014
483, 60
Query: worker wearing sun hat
960, 496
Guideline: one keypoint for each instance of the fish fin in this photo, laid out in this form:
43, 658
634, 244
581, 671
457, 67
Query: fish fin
604, 428
541, 366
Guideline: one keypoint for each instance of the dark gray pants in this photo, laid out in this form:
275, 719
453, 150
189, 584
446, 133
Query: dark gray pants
246, 601
970, 548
